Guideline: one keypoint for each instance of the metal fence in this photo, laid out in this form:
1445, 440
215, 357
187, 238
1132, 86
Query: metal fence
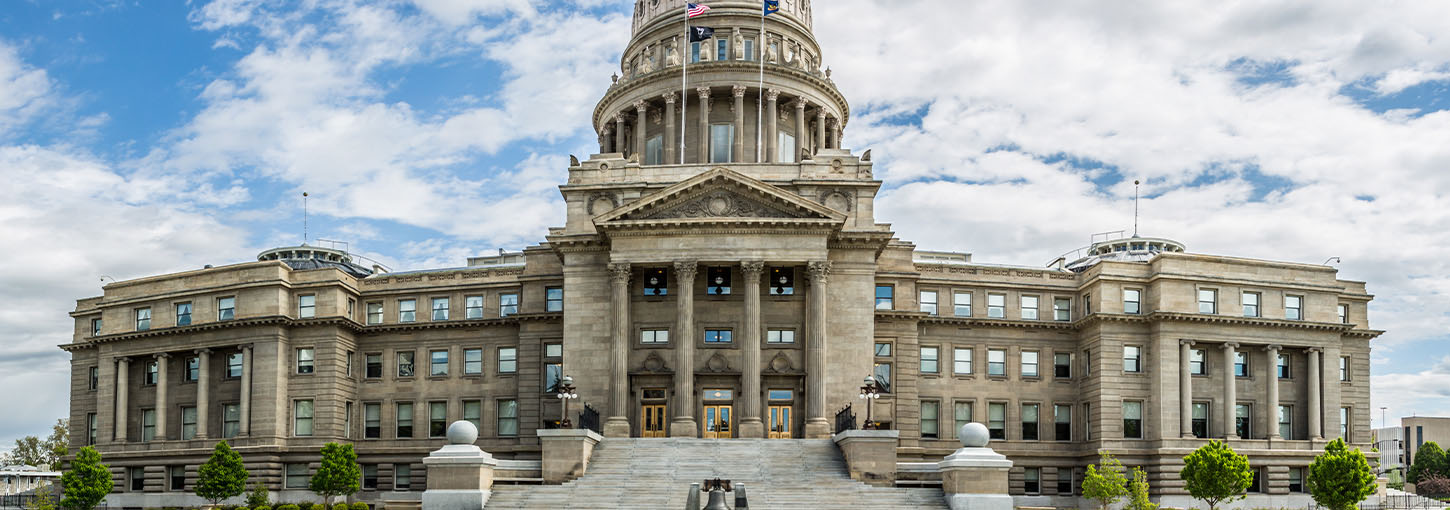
845, 419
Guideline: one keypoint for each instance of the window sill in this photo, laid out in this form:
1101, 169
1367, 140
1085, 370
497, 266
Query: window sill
1033, 378
964, 376
997, 378
438, 377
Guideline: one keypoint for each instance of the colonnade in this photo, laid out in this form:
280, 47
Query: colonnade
203, 395
624, 136
1230, 390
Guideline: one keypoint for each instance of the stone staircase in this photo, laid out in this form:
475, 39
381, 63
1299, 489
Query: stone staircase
657, 473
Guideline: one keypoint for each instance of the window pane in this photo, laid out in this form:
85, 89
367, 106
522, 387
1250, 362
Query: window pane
721, 139
787, 152
962, 303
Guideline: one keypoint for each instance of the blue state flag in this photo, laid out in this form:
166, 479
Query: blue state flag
771, 7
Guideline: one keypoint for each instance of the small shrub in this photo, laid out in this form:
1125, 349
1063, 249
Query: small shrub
304, 505
258, 497
1434, 486
263, 507
341, 506
358, 506
288, 506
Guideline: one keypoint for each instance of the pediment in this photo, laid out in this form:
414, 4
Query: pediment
720, 195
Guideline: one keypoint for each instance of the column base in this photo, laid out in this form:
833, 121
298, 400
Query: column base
684, 426
818, 428
752, 428
616, 426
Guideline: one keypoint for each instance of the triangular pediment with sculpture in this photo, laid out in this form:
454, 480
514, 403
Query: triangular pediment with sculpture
720, 195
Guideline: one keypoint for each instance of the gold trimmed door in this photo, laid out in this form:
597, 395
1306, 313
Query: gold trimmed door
780, 420
652, 420
717, 422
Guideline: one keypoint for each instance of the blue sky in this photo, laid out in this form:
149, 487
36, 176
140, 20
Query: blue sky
141, 138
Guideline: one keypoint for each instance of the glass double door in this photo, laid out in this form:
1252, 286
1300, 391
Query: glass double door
652, 420
717, 422
780, 420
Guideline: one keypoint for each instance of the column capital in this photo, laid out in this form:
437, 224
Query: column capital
1314, 350
245, 347
772, 95
619, 118
800, 104
1273, 347
162, 355
819, 271
640, 106
738, 91
752, 269
1228, 346
203, 350
821, 114
685, 271
123, 359
669, 97
1185, 341
703, 92
619, 272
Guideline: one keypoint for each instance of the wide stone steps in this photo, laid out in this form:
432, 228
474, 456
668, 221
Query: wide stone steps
657, 473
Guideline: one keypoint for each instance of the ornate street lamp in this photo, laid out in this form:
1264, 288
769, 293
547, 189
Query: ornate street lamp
780, 287
870, 391
565, 391
719, 282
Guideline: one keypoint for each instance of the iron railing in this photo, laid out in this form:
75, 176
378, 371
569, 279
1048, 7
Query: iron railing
589, 419
845, 419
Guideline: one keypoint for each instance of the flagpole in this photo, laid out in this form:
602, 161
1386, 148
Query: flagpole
684, 80
760, 90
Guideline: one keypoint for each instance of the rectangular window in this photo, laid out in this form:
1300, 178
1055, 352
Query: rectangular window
1251, 304
472, 361
996, 306
508, 304
882, 373
1029, 364
1296, 479
962, 415
1200, 420
929, 417
553, 350
440, 309
508, 418
473, 413
1241, 364
553, 374
962, 304
654, 336
347, 357
1344, 368
347, 420
91, 428
405, 363
183, 314
1196, 363
352, 308
780, 336
370, 476
1207, 301
786, 153
302, 412
148, 424
374, 366
1062, 309
402, 477
782, 281
1343, 314
1243, 420
885, 297
1062, 422
962, 361
722, 50
1344, 423
306, 307
193, 369
437, 419
722, 137
1029, 421
508, 360
1132, 359
143, 319
1032, 480
231, 420
188, 423
717, 336
928, 302
1294, 307
1132, 301
1065, 479
1286, 422
375, 313
296, 476
1284, 372
996, 362
404, 427
1029, 308
654, 150
1132, 420
407, 310
177, 478
997, 420
305, 361
1087, 421
153, 373
717, 281
1256, 485
96, 327
226, 308
750, 50
138, 478
695, 52
372, 421
1087, 305
553, 299
930, 360
438, 363
780, 395
883, 349
1062, 365
95, 378
473, 307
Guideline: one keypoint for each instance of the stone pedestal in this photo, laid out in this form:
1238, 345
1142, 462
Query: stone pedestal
616, 427
460, 475
566, 453
870, 455
975, 477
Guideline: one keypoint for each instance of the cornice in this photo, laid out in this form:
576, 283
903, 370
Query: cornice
669, 77
288, 322
718, 226
1344, 329
998, 323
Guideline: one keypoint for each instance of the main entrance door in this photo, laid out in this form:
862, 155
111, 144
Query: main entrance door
717, 422
780, 422
652, 420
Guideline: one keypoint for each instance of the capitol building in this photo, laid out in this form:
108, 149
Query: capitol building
722, 275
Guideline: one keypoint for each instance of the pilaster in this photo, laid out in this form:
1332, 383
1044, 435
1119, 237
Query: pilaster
751, 425
682, 424
617, 422
817, 426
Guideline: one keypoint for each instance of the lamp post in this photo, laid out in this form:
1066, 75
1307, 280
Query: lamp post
565, 391
870, 391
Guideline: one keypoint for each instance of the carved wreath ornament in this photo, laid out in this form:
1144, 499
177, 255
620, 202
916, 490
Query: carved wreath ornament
720, 204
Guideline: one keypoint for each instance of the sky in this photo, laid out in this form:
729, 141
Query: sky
140, 138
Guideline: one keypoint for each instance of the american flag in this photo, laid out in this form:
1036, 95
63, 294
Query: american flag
694, 10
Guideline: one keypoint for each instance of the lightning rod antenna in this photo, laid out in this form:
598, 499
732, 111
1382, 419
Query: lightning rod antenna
304, 218
1135, 208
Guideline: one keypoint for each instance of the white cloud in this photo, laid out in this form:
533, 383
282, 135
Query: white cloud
24, 90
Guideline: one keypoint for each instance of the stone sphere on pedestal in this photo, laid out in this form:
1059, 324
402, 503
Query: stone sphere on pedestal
972, 435
463, 432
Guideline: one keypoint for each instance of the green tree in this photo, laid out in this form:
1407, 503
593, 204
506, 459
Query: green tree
223, 476
1216, 474
87, 482
259, 496
1429, 460
1340, 478
44, 454
1105, 482
1138, 492
339, 473
1434, 486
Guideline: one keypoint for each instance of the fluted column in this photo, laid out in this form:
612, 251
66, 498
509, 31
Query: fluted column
800, 130
835, 133
619, 139
817, 426
123, 391
1230, 389
820, 141
246, 403
1316, 411
682, 424
703, 148
1273, 388
161, 400
670, 130
772, 128
203, 392
751, 425
641, 111
1185, 388
617, 423
737, 148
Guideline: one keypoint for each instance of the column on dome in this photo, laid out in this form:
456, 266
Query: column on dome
1230, 389
619, 139
606, 137
1185, 388
703, 148
737, 149
640, 110
751, 425
800, 129
835, 133
682, 424
670, 134
1272, 400
162, 360
1316, 411
203, 393
820, 141
246, 401
123, 393
772, 125
616, 424
817, 426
